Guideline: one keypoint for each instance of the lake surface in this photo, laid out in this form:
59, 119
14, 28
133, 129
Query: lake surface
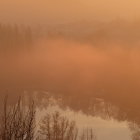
103, 117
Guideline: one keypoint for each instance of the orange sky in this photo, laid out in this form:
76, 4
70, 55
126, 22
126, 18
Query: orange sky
42, 11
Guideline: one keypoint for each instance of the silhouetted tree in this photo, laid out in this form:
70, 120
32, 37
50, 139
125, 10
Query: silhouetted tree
17, 122
56, 127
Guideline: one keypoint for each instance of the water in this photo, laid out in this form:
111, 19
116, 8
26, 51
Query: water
102, 117
96, 85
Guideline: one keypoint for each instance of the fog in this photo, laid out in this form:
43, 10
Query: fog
77, 56
64, 11
69, 67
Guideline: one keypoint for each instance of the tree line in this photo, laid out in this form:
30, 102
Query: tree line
14, 36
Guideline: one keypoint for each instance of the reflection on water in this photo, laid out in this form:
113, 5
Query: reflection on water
109, 120
101, 117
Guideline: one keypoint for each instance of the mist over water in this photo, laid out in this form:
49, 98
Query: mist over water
80, 58
70, 67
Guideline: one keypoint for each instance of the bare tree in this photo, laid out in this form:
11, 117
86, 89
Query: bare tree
17, 122
56, 127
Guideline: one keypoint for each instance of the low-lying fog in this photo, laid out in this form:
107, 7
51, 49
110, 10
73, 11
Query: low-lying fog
70, 67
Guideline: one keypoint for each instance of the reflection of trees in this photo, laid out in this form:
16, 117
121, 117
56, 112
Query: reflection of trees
120, 111
106, 108
91, 105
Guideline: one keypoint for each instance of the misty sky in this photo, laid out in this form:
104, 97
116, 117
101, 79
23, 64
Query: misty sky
59, 11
